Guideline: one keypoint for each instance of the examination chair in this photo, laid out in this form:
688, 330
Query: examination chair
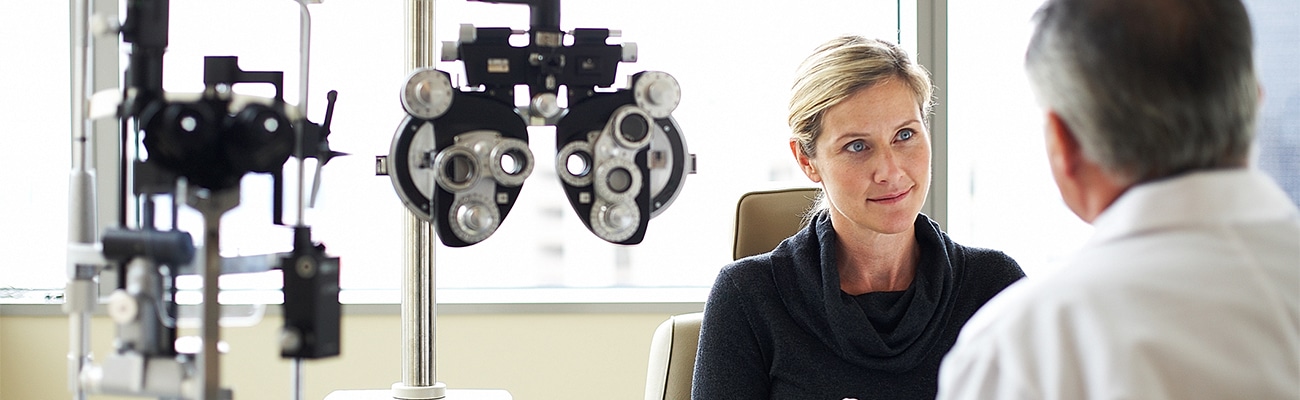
763, 220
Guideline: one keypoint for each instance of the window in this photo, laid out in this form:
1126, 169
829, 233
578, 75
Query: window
1278, 132
1001, 193
35, 160
734, 59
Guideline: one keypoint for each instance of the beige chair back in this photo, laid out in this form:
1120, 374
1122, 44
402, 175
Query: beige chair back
672, 358
765, 218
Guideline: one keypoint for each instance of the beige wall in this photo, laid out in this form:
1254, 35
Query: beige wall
534, 356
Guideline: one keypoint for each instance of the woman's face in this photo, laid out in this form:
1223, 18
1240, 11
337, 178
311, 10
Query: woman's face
872, 159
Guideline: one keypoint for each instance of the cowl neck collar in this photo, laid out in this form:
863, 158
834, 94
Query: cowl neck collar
907, 324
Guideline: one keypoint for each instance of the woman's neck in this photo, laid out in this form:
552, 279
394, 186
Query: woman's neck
874, 262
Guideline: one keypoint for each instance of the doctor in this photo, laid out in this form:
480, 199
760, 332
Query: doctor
1190, 287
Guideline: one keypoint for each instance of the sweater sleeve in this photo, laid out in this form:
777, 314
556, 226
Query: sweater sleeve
729, 363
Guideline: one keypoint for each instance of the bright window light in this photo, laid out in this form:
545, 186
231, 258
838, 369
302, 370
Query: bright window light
734, 61
1000, 191
35, 160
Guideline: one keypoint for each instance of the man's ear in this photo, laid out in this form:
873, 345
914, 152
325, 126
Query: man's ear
1063, 150
1085, 186
805, 164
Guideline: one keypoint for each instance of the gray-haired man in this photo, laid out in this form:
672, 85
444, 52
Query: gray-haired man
1190, 286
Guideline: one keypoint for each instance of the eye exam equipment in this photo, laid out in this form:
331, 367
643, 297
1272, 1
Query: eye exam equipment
458, 163
460, 157
188, 149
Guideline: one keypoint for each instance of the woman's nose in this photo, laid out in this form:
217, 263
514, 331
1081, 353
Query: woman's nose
886, 169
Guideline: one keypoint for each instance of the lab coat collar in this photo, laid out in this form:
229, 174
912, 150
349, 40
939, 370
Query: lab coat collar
1195, 199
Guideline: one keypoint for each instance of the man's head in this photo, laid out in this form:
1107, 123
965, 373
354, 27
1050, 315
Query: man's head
1144, 89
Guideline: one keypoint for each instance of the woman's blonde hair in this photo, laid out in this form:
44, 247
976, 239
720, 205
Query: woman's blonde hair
841, 67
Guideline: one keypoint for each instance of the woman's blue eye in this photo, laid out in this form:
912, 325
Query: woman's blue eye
905, 134
856, 146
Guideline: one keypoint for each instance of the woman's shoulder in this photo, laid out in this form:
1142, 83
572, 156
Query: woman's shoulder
762, 272
965, 257
988, 257
758, 266
990, 265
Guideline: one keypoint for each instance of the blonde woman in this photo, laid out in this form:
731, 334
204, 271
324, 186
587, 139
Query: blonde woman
865, 301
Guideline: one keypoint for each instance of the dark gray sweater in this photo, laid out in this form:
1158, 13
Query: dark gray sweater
777, 325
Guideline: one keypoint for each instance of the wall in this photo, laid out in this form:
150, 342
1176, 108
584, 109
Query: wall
534, 356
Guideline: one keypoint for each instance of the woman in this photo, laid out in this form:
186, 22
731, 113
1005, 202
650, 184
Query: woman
865, 301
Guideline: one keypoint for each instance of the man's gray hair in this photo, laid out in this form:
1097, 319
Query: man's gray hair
1150, 88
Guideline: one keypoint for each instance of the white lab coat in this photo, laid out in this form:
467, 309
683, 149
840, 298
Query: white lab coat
1189, 289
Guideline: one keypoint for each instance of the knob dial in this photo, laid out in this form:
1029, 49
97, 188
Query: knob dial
427, 93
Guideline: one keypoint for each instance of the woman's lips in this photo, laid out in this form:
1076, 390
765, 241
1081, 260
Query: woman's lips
891, 198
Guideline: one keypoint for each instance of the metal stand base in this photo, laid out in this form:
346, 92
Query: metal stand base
437, 391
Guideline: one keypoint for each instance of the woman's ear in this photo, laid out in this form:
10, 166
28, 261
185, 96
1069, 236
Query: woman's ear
805, 164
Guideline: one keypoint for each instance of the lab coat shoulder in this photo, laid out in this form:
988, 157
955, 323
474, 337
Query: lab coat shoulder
1028, 342
1123, 321
1187, 290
